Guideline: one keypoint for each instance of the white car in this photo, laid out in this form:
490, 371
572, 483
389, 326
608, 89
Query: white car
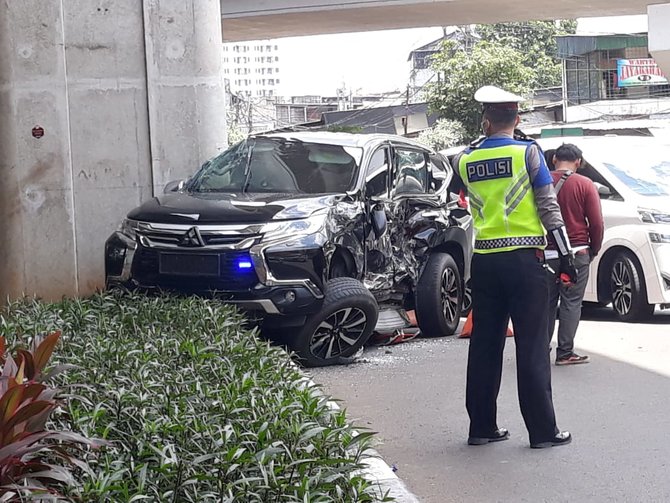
632, 270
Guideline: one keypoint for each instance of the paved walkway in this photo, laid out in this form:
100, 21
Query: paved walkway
617, 407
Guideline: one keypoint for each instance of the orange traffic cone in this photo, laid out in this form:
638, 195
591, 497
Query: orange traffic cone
467, 328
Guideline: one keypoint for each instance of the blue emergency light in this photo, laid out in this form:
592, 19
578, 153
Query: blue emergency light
244, 263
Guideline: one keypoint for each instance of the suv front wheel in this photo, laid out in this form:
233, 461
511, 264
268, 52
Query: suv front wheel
439, 296
344, 323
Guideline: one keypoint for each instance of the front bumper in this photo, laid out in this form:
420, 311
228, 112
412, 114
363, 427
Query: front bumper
660, 293
132, 265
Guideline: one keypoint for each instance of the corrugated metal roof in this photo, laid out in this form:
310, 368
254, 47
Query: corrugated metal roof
655, 127
577, 45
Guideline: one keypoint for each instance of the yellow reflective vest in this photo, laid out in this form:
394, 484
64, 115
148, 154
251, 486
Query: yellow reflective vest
501, 197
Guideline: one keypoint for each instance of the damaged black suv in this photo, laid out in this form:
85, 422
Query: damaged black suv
321, 236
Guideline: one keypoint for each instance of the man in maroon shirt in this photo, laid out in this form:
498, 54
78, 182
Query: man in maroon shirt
580, 206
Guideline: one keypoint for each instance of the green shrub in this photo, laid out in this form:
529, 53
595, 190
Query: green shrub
195, 406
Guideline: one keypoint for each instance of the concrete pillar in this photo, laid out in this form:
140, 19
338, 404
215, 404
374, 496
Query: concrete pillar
101, 103
659, 35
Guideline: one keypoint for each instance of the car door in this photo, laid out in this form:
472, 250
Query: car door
379, 267
411, 198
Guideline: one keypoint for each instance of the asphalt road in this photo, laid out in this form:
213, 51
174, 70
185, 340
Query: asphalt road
617, 407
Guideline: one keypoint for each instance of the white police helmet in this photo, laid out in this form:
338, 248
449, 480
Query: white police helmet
495, 95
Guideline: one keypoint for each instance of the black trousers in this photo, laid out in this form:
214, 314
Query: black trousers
510, 284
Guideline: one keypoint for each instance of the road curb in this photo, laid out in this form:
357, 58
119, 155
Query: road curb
376, 469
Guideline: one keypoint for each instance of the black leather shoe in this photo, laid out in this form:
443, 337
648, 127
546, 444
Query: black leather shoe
497, 436
561, 438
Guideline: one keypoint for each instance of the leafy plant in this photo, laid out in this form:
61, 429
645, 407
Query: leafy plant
442, 135
198, 408
28, 453
489, 64
536, 41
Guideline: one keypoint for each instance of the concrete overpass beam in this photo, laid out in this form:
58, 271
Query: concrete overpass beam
659, 35
100, 103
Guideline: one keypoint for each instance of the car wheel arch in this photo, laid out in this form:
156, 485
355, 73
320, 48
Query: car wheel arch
342, 258
604, 291
455, 249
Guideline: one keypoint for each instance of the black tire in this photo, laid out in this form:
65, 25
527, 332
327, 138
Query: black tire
344, 324
629, 293
439, 296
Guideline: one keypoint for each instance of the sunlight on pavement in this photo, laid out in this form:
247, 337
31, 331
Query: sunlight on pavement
645, 345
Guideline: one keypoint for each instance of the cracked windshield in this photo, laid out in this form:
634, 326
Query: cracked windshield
280, 165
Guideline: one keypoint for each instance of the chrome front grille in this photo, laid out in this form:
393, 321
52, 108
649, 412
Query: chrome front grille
223, 237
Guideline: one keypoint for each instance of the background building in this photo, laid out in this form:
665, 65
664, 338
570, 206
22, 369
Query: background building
611, 76
463, 38
252, 68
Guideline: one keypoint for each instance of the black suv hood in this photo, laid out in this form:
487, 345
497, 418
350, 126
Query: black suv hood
229, 208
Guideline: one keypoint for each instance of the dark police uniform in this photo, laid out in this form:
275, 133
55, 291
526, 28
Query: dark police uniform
512, 201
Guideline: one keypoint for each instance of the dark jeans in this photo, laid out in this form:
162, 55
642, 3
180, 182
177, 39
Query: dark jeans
571, 298
510, 284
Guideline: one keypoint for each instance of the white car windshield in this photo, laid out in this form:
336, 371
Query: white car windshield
279, 165
645, 170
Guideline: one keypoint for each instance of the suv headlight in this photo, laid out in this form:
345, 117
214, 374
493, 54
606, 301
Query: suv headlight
653, 216
128, 228
657, 237
289, 228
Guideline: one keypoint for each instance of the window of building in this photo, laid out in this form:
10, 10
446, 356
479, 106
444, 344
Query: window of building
276, 47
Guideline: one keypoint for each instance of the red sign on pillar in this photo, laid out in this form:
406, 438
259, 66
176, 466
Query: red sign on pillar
38, 132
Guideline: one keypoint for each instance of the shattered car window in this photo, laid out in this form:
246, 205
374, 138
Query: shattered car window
377, 179
412, 172
279, 165
438, 172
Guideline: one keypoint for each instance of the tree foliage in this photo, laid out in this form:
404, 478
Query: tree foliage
489, 64
518, 57
444, 134
536, 41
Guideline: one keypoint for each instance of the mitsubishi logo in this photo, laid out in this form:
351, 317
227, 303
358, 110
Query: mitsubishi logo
192, 238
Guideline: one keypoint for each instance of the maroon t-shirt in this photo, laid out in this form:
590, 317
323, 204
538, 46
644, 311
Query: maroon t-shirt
580, 206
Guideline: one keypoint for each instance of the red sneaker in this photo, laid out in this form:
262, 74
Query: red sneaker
572, 359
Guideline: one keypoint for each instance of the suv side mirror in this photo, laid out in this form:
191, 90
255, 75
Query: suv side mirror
174, 186
379, 222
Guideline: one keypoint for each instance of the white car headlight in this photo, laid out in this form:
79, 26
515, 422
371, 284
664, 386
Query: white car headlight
289, 228
653, 216
657, 237
128, 228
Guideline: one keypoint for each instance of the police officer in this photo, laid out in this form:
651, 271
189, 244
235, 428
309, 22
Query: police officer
512, 201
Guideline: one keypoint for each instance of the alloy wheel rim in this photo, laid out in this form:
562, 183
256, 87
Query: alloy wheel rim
338, 332
449, 294
622, 288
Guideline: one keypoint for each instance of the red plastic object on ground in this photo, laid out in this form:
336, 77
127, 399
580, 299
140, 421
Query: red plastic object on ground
467, 328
